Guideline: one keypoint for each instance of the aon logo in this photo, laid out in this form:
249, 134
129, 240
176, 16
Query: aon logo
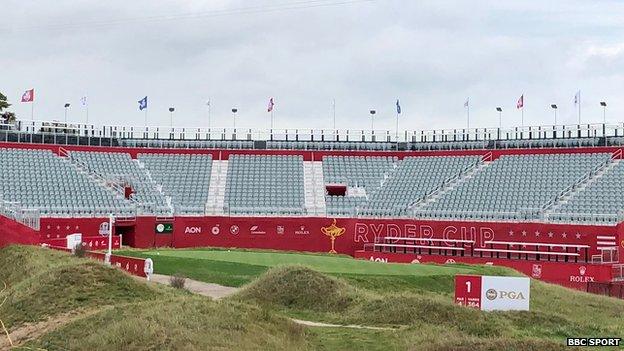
192, 230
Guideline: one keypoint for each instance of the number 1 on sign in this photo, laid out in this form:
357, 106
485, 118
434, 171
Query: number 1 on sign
468, 285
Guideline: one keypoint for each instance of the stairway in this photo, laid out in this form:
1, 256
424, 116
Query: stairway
575, 189
216, 190
449, 185
98, 178
314, 188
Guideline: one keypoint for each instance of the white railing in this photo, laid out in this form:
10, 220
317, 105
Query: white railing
29, 217
58, 132
618, 272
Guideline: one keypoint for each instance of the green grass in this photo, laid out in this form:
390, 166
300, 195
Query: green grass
239, 267
557, 313
131, 315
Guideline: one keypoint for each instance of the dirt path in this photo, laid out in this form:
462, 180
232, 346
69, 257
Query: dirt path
30, 331
217, 291
214, 291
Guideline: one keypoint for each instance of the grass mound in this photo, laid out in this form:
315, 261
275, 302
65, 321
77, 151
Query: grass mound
299, 287
63, 288
182, 323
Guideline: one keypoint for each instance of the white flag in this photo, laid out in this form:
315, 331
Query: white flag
83, 101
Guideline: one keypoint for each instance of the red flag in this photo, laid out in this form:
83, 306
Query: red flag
271, 104
520, 103
28, 96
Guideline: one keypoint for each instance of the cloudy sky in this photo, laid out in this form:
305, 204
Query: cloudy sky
432, 55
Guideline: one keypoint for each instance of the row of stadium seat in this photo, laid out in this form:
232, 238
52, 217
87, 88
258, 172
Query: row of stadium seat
513, 187
258, 184
40, 179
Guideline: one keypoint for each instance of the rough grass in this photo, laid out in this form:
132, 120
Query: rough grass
43, 283
557, 313
182, 323
115, 311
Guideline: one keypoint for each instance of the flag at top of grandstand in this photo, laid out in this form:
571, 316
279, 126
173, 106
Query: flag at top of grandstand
270, 106
28, 96
143, 104
398, 107
520, 103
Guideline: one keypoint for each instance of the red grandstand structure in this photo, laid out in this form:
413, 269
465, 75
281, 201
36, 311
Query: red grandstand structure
566, 239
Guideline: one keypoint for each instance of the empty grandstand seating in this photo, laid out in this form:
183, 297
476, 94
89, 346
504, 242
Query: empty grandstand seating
365, 172
514, 186
39, 179
266, 185
122, 169
599, 202
414, 178
184, 177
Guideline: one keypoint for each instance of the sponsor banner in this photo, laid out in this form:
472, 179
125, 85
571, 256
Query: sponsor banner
164, 228
91, 242
505, 293
569, 274
490, 293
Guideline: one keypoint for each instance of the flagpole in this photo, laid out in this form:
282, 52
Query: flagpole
32, 110
209, 106
468, 115
579, 108
397, 127
334, 111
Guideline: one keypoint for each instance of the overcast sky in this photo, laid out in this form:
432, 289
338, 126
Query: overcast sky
432, 55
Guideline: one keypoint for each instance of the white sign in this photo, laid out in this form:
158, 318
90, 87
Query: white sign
505, 293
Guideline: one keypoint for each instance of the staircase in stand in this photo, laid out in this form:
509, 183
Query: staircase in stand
216, 191
569, 193
98, 178
450, 184
314, 188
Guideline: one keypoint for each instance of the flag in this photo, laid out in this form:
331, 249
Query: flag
467, 103
577, 98
28, 96
208, 102
398, 106
520, 103
271, 104
83, 101
143, 104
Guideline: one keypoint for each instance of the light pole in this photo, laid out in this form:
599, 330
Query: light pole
234, 110
171, 110
500, 117
66, 107
604, 120
372, 113
554, 107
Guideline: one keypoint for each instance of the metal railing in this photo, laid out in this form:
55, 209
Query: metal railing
62, 133
29, 217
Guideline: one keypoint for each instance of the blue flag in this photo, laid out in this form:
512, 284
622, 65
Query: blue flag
398, 106
143, 104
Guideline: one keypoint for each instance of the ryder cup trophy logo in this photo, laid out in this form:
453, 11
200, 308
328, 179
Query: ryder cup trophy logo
333, 232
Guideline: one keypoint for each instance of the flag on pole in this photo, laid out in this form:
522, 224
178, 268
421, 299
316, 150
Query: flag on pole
83, 101
143, 104
271, 104
520, 103
467, 103
577, 98
398, 107
28, 96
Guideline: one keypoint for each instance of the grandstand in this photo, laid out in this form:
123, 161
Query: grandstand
465, 197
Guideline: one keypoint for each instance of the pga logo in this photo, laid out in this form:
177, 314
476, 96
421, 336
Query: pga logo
493, 294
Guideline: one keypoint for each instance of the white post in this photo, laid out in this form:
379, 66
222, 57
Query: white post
111, 221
